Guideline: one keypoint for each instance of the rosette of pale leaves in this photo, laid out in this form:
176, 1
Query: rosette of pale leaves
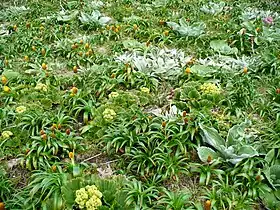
213, 8
94, 18
186, 29
166, 63
234, 149
254, 13
222, 47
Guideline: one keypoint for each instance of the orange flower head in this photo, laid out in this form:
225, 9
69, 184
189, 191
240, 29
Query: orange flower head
161, 22
207, 205
54, 168
2, 206
44, 136
68, 131
42, 132
209, 159
74, 90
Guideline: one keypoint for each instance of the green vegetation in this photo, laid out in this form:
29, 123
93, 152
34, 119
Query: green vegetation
140, 104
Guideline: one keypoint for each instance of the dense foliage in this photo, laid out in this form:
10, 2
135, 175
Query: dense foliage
140, 104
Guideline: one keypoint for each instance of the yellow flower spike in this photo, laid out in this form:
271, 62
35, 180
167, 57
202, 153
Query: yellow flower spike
43, 51
6, 89
4, 80
188, 70
33, 48
54, 168
135, 27
44, 66
26, 58
75, 69
90, 51
71, 155
166, 33
245, 70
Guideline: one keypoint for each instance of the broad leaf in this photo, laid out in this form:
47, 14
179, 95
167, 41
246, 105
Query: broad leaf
203, 70
236, 132
185, 29
222, 47
211, 137
205, 152
213, 8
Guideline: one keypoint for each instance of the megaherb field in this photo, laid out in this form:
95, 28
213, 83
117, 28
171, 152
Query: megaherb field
140, 104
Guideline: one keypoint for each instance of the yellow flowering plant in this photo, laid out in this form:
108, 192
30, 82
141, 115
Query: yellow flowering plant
145, 89
41, 87
88, 197
113, 95
20, 109
210, 88
6, 134
109, 114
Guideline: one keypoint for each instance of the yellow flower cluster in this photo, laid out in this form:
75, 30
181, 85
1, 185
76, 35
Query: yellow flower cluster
210, 88
113, 95
6, 134
145, 90
20, 109
109, 114
41, 86
88, 197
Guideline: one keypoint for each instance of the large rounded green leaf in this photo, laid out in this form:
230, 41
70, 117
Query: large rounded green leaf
205, 152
